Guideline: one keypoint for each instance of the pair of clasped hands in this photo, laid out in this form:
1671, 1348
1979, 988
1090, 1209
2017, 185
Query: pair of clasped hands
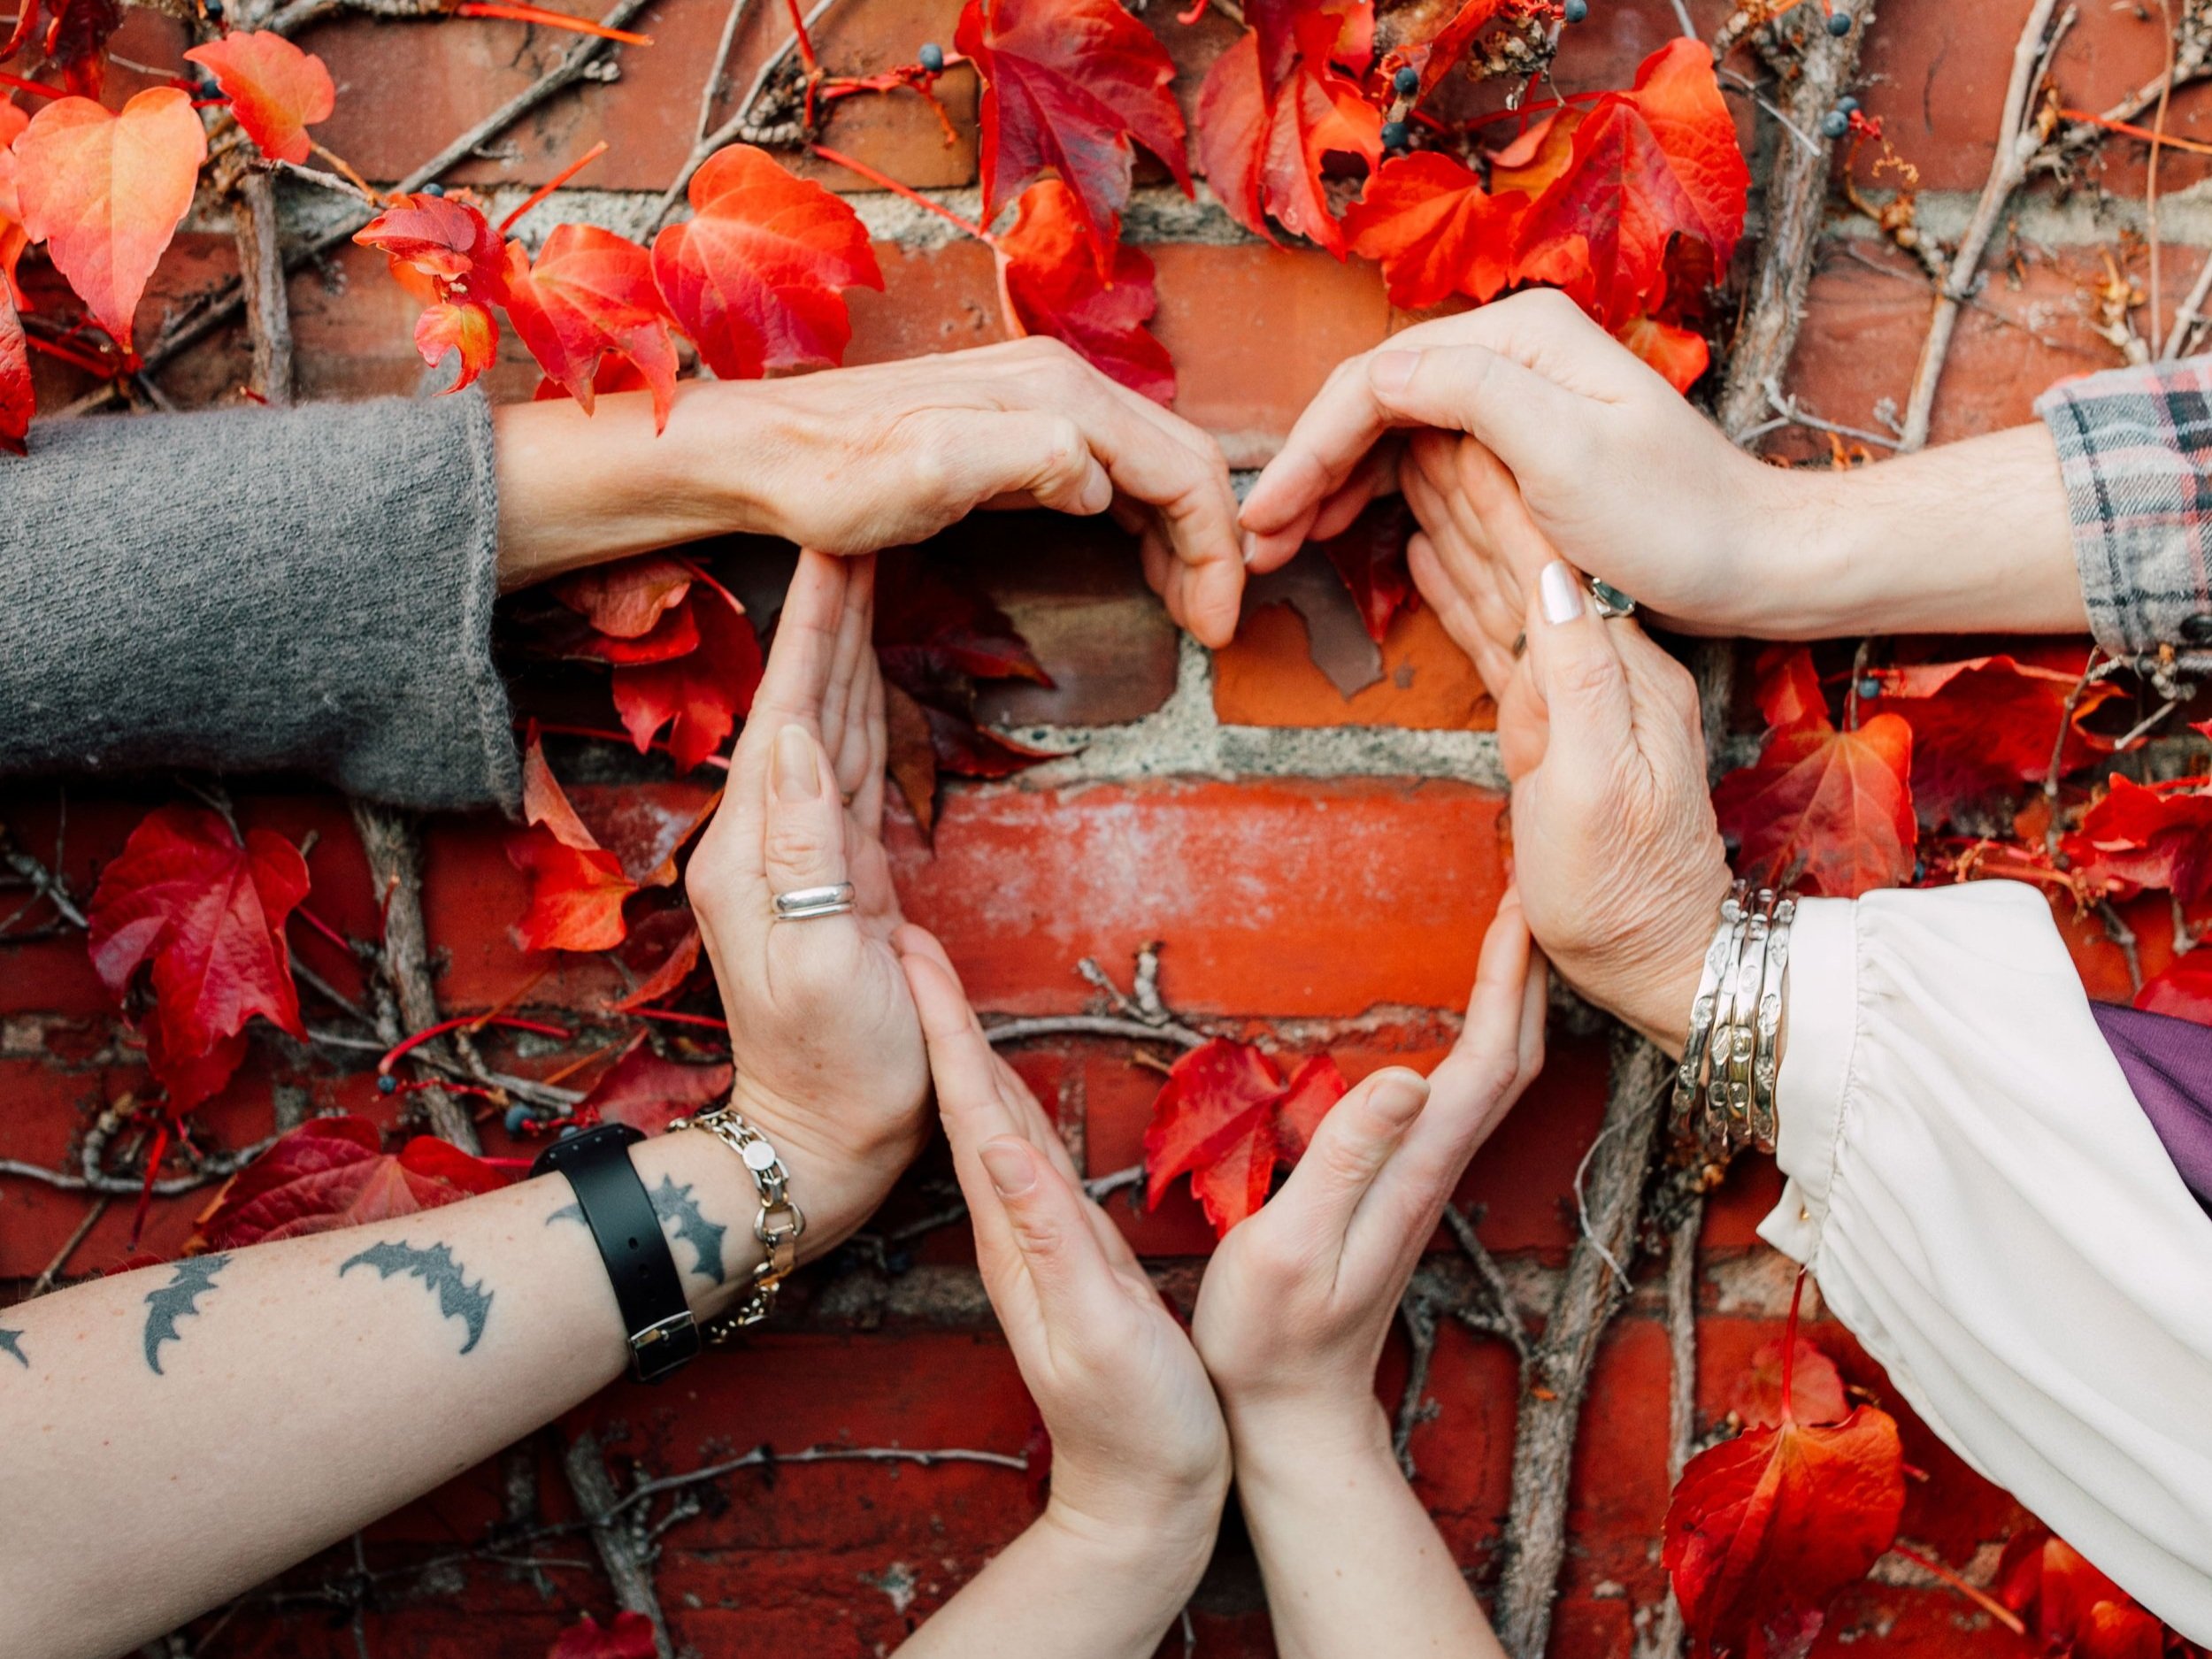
842, 1024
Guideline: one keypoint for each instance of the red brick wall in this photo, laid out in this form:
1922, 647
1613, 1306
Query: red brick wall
1317, 865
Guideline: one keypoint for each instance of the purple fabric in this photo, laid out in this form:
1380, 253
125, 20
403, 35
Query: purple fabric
2169, 1065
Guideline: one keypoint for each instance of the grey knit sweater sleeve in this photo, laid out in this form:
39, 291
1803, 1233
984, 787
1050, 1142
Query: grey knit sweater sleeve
307, 590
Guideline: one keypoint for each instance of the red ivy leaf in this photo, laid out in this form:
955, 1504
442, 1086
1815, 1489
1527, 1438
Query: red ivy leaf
1983, 726
577, 887
1434, 230
75, 41
17, 400
2182, 990
648, 1092
2137, 837
666, 979
333, 1172
1681, 355
1051, 287
625, 599
461, 326
591, 296
1371, 556
1226, 1118
1829, 808
276, 90
1789, 691
1816, 1387
106, 192
1067, 84
2071, 1608
629, 1637
756, 275
204, 916
697, 696
1315, 1086
443, 239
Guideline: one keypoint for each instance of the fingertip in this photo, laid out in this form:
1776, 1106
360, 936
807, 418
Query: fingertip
1396, 1094
1011, 1163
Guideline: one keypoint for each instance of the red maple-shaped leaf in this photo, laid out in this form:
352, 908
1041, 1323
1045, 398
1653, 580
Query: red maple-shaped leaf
590, 295
629, 1637
2183, 989
1067, 84
442, 242
1435, 231
333, 1172
1432, 35
1051, 287
2137, 837
203, 916
75, 41
1829, 809
757, 275
2071, 1608
1816, 1385
1983, 726
648, 1092
627, 598
462, 326
276, 90
675, 634
1273, 109
699, 696
106, 192
17, 400
1650, 165
1788, 688
1370, 555
1764, 1528
1226, 1118
14, 240
1679, 354
577, 887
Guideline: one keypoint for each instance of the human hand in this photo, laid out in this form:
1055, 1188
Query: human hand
1297, 1300
1625, 478
823, 1032
1138, 1451
890, 454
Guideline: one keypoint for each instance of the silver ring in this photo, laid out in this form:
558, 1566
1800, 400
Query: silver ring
802, 904
1609, 602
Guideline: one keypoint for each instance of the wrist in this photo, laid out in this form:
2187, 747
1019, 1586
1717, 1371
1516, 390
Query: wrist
840, 1171
1792, 565
1159, 1544
1291, 1439
1651, 991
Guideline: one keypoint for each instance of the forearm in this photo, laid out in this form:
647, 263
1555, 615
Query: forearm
251, 1408
1970, 537
1353, 1563
1069, 1588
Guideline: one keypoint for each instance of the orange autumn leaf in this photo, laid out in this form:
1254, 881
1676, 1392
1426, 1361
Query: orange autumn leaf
444, 239
276, 90
590, 295
13, 238
1681, 355
1829, 809
577, 887
460, 326
16, 395
1067, 86
106, 192
699, 694
1051, 287
757, 276
1434, 230
1816, 1387
627, 598
333, 1173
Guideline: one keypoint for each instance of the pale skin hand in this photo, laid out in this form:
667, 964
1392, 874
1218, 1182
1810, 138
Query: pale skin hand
1292, 1315
1630, 483
1140, 1457
385, 1395
853, 460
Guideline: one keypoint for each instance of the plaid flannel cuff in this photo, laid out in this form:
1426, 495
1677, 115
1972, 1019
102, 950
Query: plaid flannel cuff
2135, 449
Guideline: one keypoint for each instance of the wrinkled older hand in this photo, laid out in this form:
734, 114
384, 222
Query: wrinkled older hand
827, 1047
1138, 1445
890, 454
1622, 476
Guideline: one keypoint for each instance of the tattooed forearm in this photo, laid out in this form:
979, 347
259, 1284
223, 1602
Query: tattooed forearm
12, 1345
435, 1265
679, 1211
193, 1277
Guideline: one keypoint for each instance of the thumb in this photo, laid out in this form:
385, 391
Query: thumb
802, 834
1527, 420
1574, 667
1044, 458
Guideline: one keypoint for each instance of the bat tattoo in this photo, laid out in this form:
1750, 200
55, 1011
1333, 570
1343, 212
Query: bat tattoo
676, 1207
178, 1299
12, 1345
457, 1299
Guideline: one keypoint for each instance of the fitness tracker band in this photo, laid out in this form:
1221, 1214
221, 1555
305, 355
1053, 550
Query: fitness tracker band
663, 1335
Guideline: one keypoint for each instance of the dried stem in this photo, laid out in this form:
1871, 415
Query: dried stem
1414, 1406
261, 268
623, 1549
2019, 135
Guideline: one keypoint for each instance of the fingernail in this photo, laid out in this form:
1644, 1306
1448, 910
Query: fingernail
1391, 371
1251, 547
1561, 593
1008, 1167
1399, 1094
795, 773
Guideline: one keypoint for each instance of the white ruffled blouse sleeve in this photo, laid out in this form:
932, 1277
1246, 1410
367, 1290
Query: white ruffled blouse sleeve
1984, 1204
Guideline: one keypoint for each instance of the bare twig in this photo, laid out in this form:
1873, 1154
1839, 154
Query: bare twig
2020, 133
47, 883
45, 1282
219, 1167
1414, 1406
394, 856
1090, 1025
764, 1457
1664, 1638
623, 1549
737, 126
261, 267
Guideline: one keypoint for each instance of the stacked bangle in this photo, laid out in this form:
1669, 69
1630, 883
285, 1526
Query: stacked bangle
1729, 1061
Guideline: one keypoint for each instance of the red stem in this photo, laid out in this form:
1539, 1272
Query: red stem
2089, 117
897, 188
1538, 108
553, 184
1789, 1346
551, 19
806, 42
471, 1022
1988, 1603
21, 85
673, 1018
325, 929
90, 366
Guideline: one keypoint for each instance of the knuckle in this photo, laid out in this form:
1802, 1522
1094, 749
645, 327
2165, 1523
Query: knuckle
797, 845
1589, 674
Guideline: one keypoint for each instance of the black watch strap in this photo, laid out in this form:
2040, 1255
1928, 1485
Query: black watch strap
662, 1334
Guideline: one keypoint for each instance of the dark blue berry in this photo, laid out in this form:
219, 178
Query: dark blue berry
1848, 105
932, 57
433, 188
1838, 23
1920, 869
571, 1129
1396, 136
213, 11
388, 1085
1835, 124
1575, 10
1869, 686
1406, 82
517, 1120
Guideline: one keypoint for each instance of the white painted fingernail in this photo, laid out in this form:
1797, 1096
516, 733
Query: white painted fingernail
1561, 591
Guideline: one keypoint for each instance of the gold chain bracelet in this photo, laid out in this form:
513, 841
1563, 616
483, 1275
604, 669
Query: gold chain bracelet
777, 1225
